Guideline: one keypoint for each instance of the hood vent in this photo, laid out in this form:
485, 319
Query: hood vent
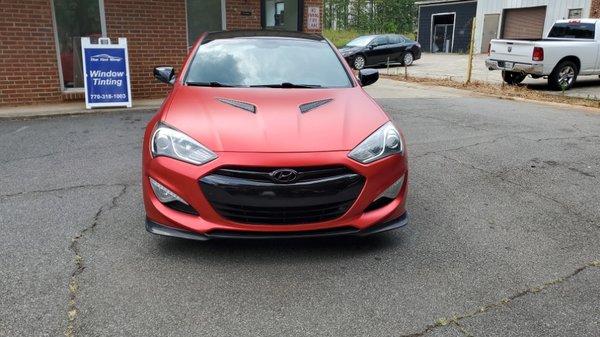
306, 107
238, 104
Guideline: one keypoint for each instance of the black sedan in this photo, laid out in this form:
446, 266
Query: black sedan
376, 50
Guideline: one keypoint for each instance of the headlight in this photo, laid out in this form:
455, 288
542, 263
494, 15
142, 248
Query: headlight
169, 142
384, 142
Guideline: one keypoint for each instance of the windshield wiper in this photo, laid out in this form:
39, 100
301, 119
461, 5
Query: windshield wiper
286, 85
208, 84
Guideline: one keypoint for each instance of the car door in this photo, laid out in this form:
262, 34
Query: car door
394, 49
377, 50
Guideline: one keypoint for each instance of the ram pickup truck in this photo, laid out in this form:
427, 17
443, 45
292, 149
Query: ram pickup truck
571, 49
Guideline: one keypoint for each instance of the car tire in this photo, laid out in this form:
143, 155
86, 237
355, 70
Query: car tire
563, 76
359, 62
407, 59
513, 78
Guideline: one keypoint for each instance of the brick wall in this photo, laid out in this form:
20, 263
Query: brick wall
27, 53
234, 19
595, 9
155, 31
156, 35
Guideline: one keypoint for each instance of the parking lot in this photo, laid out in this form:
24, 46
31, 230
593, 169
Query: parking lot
454, 67
503, 237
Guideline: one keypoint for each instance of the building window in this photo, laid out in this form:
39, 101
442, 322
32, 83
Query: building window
75, 19
281, 14
575, 13
204, 16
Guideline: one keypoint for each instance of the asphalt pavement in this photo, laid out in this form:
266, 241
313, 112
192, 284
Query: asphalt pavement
503, 238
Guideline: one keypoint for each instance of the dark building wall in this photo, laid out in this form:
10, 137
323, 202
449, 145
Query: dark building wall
465, 12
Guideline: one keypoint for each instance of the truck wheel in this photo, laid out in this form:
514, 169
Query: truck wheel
512, 78
563, 76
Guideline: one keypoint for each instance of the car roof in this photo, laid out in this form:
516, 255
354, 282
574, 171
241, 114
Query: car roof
232, 34
578, 20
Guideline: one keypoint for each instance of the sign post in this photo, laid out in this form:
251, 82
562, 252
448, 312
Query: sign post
106, 73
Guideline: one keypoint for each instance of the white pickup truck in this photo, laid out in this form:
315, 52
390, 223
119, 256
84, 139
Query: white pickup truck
572, 48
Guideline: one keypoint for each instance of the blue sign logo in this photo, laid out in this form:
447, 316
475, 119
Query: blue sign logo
106, 76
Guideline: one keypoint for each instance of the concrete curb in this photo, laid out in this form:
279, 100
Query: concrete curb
69, 109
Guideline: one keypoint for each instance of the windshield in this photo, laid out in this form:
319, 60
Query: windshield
573, 30
269, 62
362, 41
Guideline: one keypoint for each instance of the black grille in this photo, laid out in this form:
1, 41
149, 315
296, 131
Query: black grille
251, 195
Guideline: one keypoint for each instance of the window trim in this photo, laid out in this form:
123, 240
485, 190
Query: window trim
453, 30
574, 9
57, 44
187, 25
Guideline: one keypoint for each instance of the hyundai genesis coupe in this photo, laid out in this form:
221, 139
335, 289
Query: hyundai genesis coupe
268, 134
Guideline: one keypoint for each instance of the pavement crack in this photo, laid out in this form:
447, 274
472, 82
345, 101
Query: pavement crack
525, 188
59, 189
456, 319
75, 247
492, 141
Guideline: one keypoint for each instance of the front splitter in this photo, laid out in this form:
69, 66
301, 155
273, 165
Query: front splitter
158, 229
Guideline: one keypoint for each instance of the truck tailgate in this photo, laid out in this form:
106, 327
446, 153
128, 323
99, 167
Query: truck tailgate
512, 50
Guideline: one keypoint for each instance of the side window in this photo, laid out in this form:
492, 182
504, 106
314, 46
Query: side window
395, 39
380, 41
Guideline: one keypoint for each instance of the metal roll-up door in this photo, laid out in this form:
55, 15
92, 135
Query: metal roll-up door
524, 23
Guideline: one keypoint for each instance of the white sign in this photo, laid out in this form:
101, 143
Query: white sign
106, 71
314, 18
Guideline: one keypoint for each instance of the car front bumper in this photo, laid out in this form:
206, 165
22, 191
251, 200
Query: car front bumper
162, 230
184, 180
525, 68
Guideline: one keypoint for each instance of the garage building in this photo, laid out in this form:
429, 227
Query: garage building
526, 19
445, 25
40, 39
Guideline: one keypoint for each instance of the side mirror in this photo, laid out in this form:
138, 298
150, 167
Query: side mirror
368, 76
165, 74
371, 46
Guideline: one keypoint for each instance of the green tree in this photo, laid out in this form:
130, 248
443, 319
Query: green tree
370, 16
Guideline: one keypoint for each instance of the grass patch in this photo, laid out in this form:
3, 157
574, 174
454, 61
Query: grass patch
340, 37
501, 90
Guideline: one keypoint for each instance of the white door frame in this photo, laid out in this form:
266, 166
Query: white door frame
431, 30
57, 43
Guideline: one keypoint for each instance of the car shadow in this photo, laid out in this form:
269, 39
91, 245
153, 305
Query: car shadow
287, 249
542, 85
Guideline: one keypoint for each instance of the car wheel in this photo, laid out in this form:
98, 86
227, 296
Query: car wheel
563, 76
512, 78
408, 59
359, 62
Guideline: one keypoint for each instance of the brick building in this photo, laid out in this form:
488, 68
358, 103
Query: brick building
40, 50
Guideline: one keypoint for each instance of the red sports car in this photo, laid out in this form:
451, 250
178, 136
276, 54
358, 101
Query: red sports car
270, 135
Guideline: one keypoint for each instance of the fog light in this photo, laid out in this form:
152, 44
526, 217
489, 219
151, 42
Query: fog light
387, 196
392, 191
164, 194
170, 199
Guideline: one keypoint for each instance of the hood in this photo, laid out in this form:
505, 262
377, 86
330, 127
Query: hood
277, 125
350, 50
